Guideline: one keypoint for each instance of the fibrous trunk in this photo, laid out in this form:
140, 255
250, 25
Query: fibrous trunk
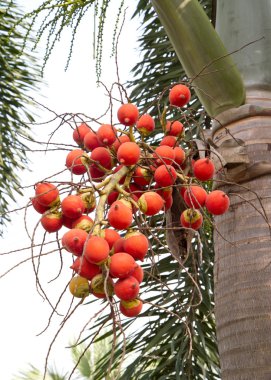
243, 235
243, 256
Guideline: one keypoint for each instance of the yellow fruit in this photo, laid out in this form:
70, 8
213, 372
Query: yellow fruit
79, 287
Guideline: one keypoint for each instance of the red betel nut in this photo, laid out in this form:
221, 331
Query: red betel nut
121, 265
204, 169
80, 132
38, 207
74, 240
120, 215
72, 206
174, 128
52, 222
136, 244
145, 124
76, 161
47, 194
127, 288
138, 273
128, 153
106, 134
164, 155
128, 114
217, 202
84, 268
195, 196
91, 141
96, 250
150, 203
111, 236
179, 95
165, 176
103, 156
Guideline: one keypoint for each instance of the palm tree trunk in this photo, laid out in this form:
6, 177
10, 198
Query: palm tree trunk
243, 235
243, 261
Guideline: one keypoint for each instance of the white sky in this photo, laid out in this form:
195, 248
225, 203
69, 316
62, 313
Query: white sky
23, 312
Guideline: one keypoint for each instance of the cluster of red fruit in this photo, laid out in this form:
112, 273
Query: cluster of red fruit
131, 176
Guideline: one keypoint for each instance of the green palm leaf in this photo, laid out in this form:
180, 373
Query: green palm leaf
18, 76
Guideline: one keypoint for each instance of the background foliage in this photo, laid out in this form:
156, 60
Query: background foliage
18, 75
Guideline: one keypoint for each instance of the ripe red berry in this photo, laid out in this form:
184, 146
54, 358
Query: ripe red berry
72, 206
142, 176
106, 134
164, 154
38, 207
145, 124
165, 175
76, 161
150, 203
120, 140
67, 222
121, 265
47, 194
217, 202
128, 153
112, 197
127, 288
136, 244
195, 196
80, 132
73, 241
128, 114
174, 128
182, 190
169, 141
120, 215
103, 156
118, 246
96, 250
84, 268
179, 95
91, 141
179, 156
52, 222
204, 169
165, 193
111, 236
138, 273
96, 174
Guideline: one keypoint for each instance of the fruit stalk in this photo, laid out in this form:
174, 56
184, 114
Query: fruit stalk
114, 179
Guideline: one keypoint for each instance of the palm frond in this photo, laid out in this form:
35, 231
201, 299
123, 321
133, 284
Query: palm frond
18, 77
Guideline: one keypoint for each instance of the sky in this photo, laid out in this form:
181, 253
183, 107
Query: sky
24, 313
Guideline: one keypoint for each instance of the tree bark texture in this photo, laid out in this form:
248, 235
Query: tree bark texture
242, 241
